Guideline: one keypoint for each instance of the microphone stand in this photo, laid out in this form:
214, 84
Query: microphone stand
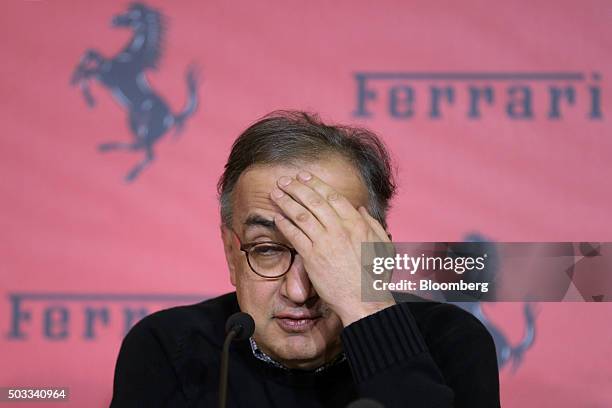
224, 365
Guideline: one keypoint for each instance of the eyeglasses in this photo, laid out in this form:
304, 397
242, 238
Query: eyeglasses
268, 259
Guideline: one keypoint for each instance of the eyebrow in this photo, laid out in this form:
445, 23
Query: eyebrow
256, 220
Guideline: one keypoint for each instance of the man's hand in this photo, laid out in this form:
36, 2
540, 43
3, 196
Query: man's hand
327, 231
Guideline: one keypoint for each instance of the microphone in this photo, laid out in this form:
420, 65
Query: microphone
239, 326
365, 403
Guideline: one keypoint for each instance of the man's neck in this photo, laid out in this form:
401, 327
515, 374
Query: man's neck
261, 355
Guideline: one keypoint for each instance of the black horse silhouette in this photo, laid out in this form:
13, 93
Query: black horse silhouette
149, 115
506, 352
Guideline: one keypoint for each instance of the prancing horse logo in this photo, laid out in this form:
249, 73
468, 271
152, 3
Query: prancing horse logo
149, 115
506, 352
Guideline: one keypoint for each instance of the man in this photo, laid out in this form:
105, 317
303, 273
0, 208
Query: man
298, 197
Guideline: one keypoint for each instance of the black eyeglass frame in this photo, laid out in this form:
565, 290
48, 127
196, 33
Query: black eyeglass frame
246, 248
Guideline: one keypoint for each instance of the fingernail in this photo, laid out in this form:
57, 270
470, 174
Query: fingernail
304, 175
277, 193
284, 181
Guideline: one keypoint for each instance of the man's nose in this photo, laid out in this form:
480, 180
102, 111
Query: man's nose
296, 285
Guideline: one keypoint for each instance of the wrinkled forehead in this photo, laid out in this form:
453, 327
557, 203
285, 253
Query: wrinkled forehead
251, 195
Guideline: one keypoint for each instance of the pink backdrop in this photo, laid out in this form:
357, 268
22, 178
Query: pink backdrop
72, 227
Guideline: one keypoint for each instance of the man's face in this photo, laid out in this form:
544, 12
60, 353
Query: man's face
292, 324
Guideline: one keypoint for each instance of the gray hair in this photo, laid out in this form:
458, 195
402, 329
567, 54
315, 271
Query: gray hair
288, 137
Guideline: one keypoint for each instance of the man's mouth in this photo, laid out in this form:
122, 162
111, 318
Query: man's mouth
296, 323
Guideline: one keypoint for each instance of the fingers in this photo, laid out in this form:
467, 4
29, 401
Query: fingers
320, 198
296, 236
314, 207
309, 199
300, 216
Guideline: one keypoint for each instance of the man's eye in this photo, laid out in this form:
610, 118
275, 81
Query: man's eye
268, 250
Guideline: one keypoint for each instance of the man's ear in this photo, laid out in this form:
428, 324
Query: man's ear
229, 248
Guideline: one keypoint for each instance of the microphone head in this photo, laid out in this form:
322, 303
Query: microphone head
242, 323
365, 403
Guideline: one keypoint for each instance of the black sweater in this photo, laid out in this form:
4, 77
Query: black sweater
420, 354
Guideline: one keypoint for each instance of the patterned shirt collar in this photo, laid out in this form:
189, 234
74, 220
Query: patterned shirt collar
259, 354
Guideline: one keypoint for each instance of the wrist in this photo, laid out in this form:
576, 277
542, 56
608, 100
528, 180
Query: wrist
360, 310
